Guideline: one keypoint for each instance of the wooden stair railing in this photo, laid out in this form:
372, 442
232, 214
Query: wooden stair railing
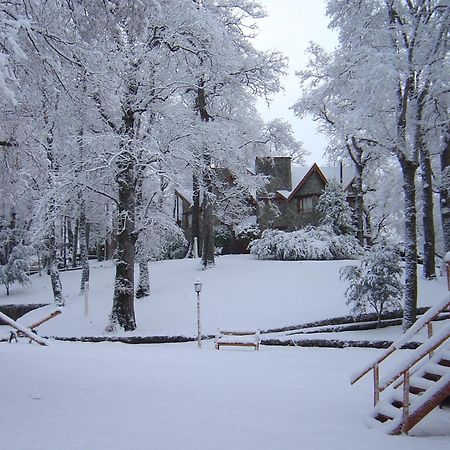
408, 367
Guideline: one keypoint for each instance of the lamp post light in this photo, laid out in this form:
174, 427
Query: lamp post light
198, 289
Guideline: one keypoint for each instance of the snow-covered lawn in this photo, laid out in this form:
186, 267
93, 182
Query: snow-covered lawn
74, 396
240, 292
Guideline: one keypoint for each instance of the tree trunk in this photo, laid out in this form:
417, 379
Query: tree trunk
207, 205
444, 193
195, 219
50, 239
53, 263
429, 250
75, 244
355, 152
359, 205
410, 296
123, 302
11, 241
84, 257
143, 289
64, 241
208, 229
368, 228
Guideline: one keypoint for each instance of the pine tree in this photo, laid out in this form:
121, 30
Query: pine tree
376, 282
15, 270
335, 209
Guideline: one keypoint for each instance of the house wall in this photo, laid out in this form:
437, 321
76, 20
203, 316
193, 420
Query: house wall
286, 215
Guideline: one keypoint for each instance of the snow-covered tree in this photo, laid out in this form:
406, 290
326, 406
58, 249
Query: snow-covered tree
16, 269
335, 209
390, 73
376, 283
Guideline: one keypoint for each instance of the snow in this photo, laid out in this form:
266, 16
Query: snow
111, 396
167, 397
241, 292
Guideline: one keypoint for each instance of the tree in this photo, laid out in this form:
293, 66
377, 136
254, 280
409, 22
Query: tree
335, 209
445, 190
392, 67
324, 99
15, 270
230, 71
376, 282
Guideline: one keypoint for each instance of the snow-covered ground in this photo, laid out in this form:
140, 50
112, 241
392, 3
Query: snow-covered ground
176, 397
73, 396
240, 292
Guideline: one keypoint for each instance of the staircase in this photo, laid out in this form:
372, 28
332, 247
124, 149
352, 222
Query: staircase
418, 384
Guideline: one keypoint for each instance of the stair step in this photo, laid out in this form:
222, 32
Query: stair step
385, 411
436, 369
445, 361
431, 376
396, 398
417, 385
382, 418
416, 390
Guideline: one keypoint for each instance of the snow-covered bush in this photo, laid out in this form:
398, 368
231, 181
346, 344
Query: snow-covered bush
310, 243
15, 270
248, 233
335, 209
376, 282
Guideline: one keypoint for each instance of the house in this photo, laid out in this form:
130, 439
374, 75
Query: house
229, 198
287, 202
290, 198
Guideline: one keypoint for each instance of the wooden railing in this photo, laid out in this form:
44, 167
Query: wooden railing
423, 350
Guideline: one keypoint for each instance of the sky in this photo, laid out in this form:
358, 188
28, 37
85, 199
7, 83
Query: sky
289, 27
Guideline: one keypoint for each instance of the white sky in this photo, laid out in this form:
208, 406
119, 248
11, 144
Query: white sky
289, 27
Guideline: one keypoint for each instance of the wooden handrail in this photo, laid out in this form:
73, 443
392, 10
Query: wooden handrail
430, 315
425, 349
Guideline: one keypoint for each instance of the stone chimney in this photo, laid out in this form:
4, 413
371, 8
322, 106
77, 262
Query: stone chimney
278, 168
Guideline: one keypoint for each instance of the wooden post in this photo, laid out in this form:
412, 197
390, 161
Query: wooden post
447, 265
376, 384
86, 299
430, 334
405, 401
199, 331
195, 248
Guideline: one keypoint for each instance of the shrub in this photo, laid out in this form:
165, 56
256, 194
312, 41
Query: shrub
376, 282
15, 270
310, 243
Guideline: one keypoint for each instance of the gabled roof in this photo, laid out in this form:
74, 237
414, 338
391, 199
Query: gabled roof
184, 194
301, 174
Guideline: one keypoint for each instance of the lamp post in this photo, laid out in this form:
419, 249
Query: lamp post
198, 289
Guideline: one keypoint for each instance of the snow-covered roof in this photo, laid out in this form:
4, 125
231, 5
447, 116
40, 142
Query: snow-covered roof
298, 173
284, 194
185, 193
334, 173
330, 173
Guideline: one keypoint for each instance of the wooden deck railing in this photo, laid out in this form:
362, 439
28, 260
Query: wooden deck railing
425, 349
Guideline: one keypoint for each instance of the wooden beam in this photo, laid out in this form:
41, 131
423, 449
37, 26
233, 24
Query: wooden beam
26, 331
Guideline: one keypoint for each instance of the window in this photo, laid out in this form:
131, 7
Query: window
305, 204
